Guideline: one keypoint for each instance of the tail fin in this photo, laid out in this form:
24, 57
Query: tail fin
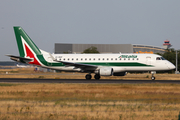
25, 43
29, 52
27, 48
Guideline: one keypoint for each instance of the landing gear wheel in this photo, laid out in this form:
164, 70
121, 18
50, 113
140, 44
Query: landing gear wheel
153, 78
153, 72
88, 77
97, 76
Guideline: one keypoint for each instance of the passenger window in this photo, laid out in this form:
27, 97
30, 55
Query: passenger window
81, 59
99, 59
72, 59
107, 58
120, 59
89, 58
111, 58
64, 59
128, 58
94, 58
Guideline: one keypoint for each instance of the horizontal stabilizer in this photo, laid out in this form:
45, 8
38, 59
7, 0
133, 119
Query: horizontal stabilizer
20, 59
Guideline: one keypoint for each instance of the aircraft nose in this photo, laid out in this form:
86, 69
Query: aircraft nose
171, 66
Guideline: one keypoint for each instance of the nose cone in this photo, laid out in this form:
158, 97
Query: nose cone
171, 66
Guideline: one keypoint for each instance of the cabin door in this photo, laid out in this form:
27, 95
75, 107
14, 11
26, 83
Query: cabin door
148, 60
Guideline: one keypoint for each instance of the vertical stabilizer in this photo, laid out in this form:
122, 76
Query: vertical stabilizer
25, 44
29, 52
27, 48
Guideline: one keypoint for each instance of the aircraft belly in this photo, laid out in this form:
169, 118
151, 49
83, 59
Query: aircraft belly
139, 69
73, 69
119, 69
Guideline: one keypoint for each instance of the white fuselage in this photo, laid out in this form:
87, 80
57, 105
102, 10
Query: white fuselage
119, 62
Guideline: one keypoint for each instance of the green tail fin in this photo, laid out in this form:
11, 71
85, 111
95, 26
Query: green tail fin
23, 41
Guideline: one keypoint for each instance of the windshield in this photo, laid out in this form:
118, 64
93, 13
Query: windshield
163, 58
160, 58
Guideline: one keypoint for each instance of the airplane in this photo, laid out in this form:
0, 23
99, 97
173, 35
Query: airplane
99, 64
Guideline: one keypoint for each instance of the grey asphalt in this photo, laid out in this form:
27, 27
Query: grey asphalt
25, 80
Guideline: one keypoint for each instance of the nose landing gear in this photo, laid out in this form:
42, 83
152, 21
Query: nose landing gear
153, 78
153, 72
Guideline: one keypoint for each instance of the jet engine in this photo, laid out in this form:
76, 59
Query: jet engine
106, 71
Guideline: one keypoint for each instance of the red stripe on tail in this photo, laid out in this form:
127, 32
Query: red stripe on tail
31, 55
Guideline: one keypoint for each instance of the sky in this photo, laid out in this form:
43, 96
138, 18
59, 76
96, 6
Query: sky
146, 22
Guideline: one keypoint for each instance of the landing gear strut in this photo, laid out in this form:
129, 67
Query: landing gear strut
97, 76
88, 76
153, 72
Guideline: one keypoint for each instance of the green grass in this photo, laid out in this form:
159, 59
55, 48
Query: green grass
8, 84
13, 71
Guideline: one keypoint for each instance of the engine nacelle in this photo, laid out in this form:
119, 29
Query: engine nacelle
106, 71
120, 74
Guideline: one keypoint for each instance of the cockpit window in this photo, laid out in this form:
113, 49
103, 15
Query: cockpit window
158, 58
163, 58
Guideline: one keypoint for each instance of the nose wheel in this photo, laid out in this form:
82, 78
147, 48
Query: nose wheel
153, 72
153, 78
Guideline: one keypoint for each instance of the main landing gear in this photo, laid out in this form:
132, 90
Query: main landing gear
88, 76
153, 72
96, 76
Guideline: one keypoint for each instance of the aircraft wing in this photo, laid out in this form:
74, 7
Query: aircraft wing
77, 65
20, 59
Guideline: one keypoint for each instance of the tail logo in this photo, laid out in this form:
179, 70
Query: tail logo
29, 53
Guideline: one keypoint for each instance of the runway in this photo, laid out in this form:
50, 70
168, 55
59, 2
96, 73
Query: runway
25, 80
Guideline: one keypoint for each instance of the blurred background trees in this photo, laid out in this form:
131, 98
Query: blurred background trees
92, 49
